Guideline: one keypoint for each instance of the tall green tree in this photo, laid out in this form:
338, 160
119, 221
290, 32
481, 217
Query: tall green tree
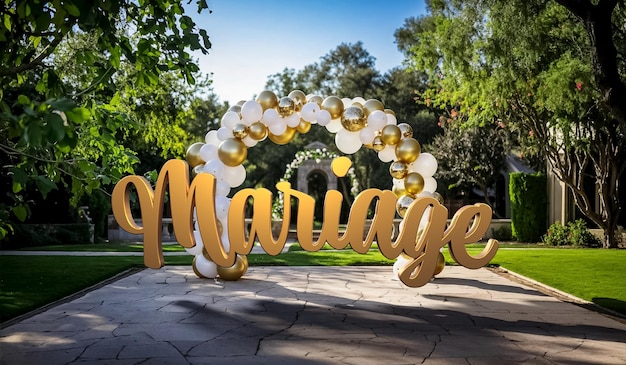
552, 70
62, 126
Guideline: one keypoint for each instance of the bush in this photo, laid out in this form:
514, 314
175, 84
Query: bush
529, 201
32, 235
502, 234
574, 233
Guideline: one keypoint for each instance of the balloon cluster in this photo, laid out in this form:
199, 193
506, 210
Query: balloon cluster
356, 123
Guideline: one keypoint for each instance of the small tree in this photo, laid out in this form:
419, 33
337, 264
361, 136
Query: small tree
529, 203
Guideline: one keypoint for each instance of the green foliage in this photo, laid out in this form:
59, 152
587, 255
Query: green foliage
31, 235
529, 201
574, 233
502, 234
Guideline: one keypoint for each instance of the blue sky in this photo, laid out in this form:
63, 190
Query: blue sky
254, 39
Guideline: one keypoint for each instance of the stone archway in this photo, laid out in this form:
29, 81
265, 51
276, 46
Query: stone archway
321, 165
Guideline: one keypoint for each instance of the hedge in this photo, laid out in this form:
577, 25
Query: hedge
529, 206
29, 235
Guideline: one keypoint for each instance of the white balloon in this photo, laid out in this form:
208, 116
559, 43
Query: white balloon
359, 100
249, 141
222, 188
346, 102
323, 117
224, 133
309, 111
251, 112
425, 218
387, 154
347, 142
222, 204
334, 126
293, 120
426, 165
400, 262
270, 116
215, 167
430, 184
366, 135
208, 152
391, 119
230, 119
225, 241
235, 176
207, 268
377, 120
197, 249
398, 183
279, 127
211, 138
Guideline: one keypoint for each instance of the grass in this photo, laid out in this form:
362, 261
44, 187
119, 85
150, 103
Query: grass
28, 282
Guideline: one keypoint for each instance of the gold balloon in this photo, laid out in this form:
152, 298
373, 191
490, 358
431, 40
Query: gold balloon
441, 263
303, 127
389, 111
398, 170
378, 144
267, 99
439, 197
240, 131
316, 99
334, 106
406, 129
356, 103
235, 272
193, 154
403, 204
408, 150
353, 118
197, 169
414, 183
195, 270
236, 109
299, 98
283, 138
232, 152
372, 105
398, 191
286, 106
257, 131
390, 134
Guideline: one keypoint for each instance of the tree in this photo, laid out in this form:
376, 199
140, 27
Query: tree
61, 126
552, 70
471, 156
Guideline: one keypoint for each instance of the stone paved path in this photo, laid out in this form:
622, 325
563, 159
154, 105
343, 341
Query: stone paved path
314, 315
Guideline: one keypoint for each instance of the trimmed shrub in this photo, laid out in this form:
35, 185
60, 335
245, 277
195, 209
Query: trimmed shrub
502, 234
574, 233
529, 202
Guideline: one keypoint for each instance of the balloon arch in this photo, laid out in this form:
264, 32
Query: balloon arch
355, 122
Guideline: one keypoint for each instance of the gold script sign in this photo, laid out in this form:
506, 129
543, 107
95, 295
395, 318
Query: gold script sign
468, 225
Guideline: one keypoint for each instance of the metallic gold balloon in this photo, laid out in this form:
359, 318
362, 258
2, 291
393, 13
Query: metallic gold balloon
283, 138
193, 154
197, 169
441, 263
406, 129
414, 183
236, 109
398, 191
391, 134
235, 272
403, 204
195, 270
286, 106
439, 197
267, 99
303, 127
408, 150
232, 152
389, 111
240, 131
356, 103
299, 98
353, 118
257, 131
378, 144
334, 106
371, 105
316, 99
398, 170
241, 102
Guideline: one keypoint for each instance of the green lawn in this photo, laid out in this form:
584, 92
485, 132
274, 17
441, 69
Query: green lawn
28, 282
